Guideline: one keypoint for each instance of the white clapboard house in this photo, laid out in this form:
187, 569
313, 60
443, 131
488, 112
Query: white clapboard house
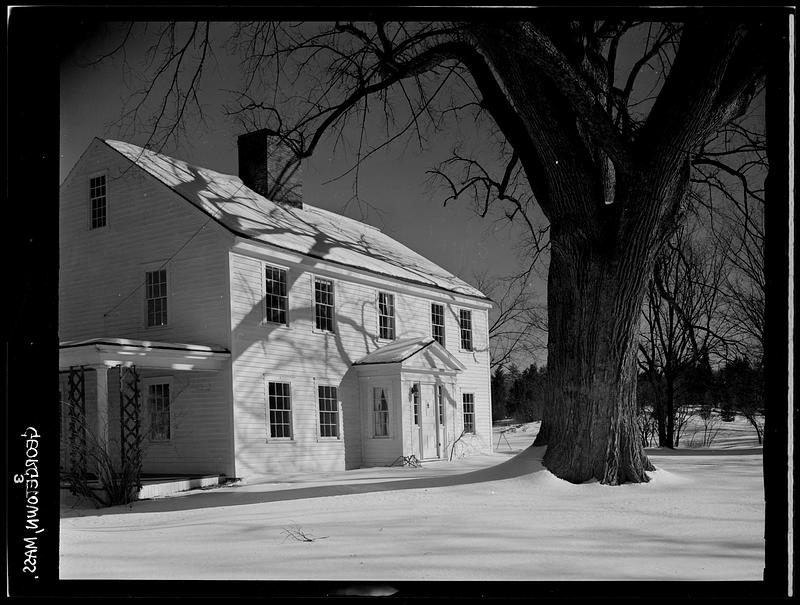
234, 329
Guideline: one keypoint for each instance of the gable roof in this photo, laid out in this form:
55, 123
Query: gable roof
404, 350
311, 231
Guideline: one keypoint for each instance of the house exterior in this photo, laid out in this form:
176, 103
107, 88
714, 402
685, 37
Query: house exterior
241, 336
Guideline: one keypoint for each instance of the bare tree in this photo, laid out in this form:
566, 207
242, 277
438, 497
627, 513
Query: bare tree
603, 145
684, 324
517, 322
731, 170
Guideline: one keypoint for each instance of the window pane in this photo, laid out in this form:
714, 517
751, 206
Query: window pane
469, 412
275, 298
437, 323
415, 400
380, 407
386, 315
323, 304
97, 201
466, 329
156, 296
328, 411
158, 406
280, 410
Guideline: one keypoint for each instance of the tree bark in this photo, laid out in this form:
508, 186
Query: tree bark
592, 367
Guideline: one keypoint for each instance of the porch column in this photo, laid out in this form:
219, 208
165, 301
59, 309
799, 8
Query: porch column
102, 407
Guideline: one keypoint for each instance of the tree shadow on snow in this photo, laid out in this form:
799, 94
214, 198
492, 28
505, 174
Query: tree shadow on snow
525, 463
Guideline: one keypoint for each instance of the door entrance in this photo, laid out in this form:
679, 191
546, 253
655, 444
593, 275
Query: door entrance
427, 429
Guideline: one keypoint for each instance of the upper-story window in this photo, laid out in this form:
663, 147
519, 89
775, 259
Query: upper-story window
276, 301
465, 322
323, 304
386, 315
437, 322
98, 207
156, 297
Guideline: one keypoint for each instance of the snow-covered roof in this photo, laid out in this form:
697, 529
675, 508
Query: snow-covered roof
311, 231
396, 352
403, 350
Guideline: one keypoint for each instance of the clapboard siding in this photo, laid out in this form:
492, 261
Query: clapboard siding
301, 355
102, 271
199, 441
102, 294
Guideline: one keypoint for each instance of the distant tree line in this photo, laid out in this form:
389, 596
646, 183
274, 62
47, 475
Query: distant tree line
518, 394
736, 387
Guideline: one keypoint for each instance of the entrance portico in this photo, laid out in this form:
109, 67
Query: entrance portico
408, 406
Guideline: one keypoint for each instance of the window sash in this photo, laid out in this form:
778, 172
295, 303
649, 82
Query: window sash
328, 399
380, 410
276, 300
437, 323
156, 296
386, 315
323, 304
97, 201
415, 401
465, 322
158, 403
469, 412
440, 403
280, 410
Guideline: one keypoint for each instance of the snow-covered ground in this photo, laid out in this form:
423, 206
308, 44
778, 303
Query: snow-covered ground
498, 517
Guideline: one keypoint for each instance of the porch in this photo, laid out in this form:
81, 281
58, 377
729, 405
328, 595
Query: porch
105, 415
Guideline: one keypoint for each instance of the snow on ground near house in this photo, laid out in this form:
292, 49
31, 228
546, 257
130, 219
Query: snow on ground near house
498, 517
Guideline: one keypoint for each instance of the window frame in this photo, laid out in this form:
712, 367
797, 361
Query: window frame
264, 315
90, 199
151, 381
314, 326
320, 437
416, 402
268, 428
464, 412
438, 396
167, 299
388, 412
442, 325
461, 346
393, 315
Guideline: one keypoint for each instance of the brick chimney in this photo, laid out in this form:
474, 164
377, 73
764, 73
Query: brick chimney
270, 168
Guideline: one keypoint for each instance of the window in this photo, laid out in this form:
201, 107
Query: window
437, 323
158, 410
97, 201
469, 412
156, 295
438, 392
275, 299
465, 321
323, 304
328, 411
415, 401
380, 409
386, 315
280, 410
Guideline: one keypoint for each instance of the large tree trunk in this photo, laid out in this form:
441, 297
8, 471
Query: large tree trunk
592, 367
